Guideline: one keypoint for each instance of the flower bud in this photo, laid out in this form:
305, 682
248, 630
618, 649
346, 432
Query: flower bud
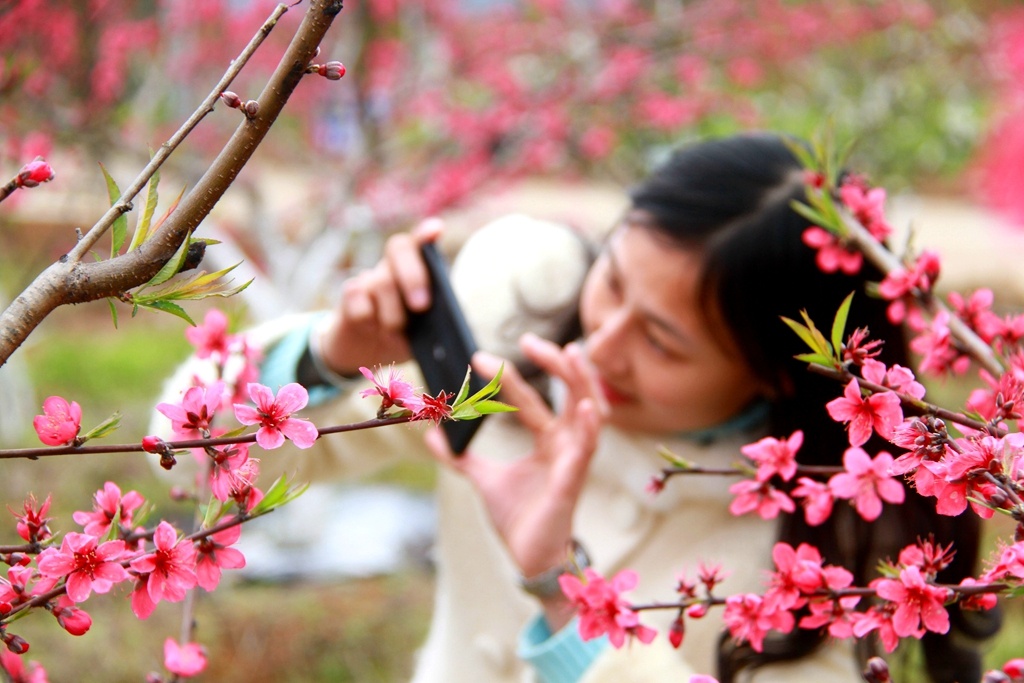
877, 671
995, 676
167, 459
180, 495
34, 172
153, 444
15, 644
697, 611
676, 632
231, 99
251, 109
332, 71
72, 619
1014, 668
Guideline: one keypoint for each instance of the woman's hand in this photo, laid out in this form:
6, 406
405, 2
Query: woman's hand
531, 500
368, 327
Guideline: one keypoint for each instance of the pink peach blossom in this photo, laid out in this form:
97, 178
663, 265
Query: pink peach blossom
192, 418
109, 508
832, 254
60, 422
880, 412
88, 565
211, 338
749, 619
762, 497
867, 482
816, 499
186, 660
917, 603
601, 608
774, 456
215, 554
274, 415
170, 565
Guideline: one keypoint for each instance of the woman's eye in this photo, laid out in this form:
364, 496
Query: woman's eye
657, 345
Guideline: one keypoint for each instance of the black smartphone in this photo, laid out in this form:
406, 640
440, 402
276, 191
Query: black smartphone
443, 345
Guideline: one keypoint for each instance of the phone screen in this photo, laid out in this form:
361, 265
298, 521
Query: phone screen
443, 346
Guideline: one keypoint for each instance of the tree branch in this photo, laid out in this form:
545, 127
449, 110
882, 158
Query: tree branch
70, 282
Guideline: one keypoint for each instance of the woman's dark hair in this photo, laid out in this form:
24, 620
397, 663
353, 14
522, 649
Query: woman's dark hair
731, 200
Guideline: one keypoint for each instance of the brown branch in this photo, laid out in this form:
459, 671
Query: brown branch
887, 262
123, 204
69, 282
924, 407
49, 451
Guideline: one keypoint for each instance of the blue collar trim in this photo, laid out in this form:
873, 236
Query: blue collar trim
754, 415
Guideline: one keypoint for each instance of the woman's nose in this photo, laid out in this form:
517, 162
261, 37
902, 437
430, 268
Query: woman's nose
606, 346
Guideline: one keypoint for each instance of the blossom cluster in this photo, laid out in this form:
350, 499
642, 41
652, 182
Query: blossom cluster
112, 548
160, 564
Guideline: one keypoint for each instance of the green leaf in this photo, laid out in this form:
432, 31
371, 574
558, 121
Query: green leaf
171, 268
169, 307
1016, 592
819, 338
675, 460
489, 389
214, 511
119, 230
465, 411
198, 286
488, 407
277, 495
803, 332
113, 310
802, 154
464, 389
839, 324
274, 494
103, 428
142, 229
815, 358
811, 214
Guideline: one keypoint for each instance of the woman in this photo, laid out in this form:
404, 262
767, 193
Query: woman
681, 347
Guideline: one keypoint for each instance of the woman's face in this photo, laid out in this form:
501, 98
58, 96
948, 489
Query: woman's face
659, 365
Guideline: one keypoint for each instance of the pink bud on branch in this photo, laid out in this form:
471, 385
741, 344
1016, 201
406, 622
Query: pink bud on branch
31, 174
332, 71
35, 172
231, 99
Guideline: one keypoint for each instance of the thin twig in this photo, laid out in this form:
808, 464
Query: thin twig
887, 262
923, 406
123, 204
34, 453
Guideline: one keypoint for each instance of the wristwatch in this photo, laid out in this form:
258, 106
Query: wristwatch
545, 584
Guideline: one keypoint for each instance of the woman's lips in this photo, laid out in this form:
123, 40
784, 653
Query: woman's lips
611, 394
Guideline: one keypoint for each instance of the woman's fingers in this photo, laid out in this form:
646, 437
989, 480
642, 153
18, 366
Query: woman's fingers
586, 426
533, 411
466, 464
405, 262
583, 381
569, 365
